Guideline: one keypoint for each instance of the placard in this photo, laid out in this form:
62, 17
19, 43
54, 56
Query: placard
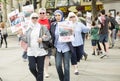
66, 31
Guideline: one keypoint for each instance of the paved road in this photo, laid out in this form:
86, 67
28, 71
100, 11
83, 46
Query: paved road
12, 67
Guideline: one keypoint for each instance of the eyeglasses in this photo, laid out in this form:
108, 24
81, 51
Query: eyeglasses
42, 13
72, 17
34, 17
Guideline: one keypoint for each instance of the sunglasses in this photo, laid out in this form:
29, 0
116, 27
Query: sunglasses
34, 17
72, 17
42, 13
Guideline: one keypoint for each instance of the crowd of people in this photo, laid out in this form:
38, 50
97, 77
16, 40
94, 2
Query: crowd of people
104, 30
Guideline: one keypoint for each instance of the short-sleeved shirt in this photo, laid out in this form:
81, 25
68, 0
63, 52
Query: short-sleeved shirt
104, 26
95, 33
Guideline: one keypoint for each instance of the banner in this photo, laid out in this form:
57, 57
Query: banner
27, 11
66, 31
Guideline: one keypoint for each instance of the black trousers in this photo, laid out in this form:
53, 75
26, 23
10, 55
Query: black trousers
36, 66
4, 37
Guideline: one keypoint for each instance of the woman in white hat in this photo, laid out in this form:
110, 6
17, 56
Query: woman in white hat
77, 44
35, 51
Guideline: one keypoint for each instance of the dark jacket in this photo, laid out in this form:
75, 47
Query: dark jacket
52, 31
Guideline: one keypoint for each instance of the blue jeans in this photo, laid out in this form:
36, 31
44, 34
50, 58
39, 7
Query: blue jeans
65, 59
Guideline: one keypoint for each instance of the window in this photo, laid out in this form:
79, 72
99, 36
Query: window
67, 2
50, 3
62, 3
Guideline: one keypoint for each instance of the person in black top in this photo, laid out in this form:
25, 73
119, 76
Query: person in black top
112, 30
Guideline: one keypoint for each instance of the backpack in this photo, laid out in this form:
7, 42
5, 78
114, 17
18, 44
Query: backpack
113, 22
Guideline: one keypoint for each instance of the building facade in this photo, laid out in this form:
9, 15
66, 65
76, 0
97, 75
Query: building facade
72, 5
112, 5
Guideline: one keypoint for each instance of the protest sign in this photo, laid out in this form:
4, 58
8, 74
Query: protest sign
27, 10
16, 19
66, 31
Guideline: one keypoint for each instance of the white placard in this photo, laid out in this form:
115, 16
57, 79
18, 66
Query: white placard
66, 31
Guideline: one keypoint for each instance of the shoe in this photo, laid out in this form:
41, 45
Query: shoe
5, 46
93, 53
98, 53
76, 73
103, 56
111, 47
25, 60
85, 56
46, 75
50, 64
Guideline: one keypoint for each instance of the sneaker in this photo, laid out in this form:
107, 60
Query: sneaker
102, 56
25, 60
46, 75
76, 73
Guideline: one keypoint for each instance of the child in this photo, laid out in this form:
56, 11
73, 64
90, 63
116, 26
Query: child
23, 44
94, 36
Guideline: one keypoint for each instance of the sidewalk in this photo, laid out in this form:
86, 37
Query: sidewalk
12, 67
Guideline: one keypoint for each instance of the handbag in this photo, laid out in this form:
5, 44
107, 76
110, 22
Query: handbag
46, 44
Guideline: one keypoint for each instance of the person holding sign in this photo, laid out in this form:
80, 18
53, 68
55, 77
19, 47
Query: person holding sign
34, 37
62, 49
77, 43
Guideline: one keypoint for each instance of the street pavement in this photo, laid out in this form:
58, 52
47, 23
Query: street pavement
12, 67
